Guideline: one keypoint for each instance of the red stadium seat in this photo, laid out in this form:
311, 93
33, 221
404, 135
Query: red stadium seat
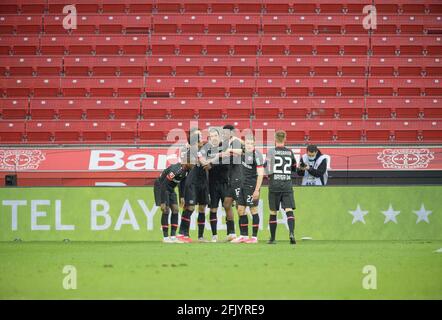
405, 66
103, 23
30, 86
404, 107
85, 108
11, 131
190, 86
102, 87
94, 44
31, 65
318, 86
105, 66
432, 135
14, 108
433, 109
194, 23
162, 65
407, 45
304, 23
170, 131
82, 6
22, 6
310, 44
265, 64
304, 65
19, 45
196, 108
20, 24
81, 131
210, 44
404, 86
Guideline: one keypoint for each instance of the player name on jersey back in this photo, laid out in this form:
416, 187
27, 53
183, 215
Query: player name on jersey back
280, 164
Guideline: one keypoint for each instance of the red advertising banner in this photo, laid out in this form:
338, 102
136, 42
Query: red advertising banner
152, 160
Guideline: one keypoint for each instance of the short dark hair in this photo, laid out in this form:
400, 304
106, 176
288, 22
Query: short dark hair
312, 148
229, 127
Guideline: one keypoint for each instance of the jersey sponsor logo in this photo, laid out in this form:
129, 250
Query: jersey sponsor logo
21, 159
405, 158
170, 176
248, 163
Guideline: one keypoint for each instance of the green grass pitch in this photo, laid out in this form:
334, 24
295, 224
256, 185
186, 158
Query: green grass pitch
152, 270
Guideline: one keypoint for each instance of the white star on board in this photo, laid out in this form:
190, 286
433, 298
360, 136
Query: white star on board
390, 214
358, 215
422, 214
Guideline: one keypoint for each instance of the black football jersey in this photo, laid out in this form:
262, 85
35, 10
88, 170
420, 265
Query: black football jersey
250, 162
197, 174
280, 164
219, 171
235, 163
172, 176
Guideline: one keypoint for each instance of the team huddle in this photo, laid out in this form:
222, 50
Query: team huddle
227, 169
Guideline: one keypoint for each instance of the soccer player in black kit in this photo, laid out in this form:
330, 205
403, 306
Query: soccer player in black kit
196, 189
252, 176
211, 157
280, 164
166, 198
235, 148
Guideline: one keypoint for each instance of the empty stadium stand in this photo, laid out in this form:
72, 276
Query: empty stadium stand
132, 70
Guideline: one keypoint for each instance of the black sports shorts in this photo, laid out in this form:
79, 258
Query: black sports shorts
233, 190
218, 191
162, 195
196, 194
284, 199
245, 197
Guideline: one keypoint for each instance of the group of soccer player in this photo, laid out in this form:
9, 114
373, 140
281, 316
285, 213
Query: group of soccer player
231, 170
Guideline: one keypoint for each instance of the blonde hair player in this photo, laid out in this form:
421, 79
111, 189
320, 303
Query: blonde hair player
252, 176
280, 164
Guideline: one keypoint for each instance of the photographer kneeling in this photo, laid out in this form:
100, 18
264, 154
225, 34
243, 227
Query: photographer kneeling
313, 167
